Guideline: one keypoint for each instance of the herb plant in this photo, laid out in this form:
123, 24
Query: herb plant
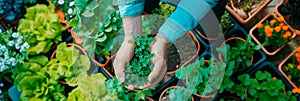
206, 77
140, 66
226, 22
119, 90
165, 9
41, 27
179, 94
97, 26
238, 55
262, 87
273, 33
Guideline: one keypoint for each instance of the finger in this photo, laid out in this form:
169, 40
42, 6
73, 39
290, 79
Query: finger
159, 69
130, 87
119, 67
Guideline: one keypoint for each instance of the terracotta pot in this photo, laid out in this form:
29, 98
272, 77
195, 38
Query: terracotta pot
232, 38
245, 21
61, 17
75, 46
283, 73
77, 39
206, 38
276, 9
254, 28
191, 59
165, 91
105, 65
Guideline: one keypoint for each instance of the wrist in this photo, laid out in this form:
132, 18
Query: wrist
162, 39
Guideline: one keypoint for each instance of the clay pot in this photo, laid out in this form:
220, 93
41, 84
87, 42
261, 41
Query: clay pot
245, 21
283, 73
253, 34
77, 39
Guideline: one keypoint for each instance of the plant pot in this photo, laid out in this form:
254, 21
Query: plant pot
282, 64
254, 35
61, 17
278, 11
165, 91
226, 96
247, 20
76, 38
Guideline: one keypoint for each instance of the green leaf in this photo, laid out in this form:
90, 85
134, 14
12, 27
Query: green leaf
41, 60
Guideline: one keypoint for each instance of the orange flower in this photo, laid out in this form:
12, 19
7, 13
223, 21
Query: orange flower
288, 33
285, 36
295, 90
285, 27
298, 49
272, 22
297, 32
269, 34
274, 78
259, 25
281, 24
280, 19
277, 29
298, 67
284, 91
268, 29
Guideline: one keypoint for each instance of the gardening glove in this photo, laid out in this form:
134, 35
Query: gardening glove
132, 27
159, 48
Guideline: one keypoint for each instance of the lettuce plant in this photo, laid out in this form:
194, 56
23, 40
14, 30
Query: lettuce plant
263, 87
42, 28
97, 26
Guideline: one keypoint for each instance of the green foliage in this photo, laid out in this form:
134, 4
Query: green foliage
165, 9
238, 56
42, 28
90, 88
36, 83
179, 94
116, 89
262, 87
292, 72
205, 77
98, 25
140, 66
225, 22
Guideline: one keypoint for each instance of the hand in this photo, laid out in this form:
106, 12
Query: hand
132, 27
159, 48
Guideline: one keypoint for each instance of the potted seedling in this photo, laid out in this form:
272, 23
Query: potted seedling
290, 68
238, 53
42, 28
273, 33
261, 86
245, 10
98, 30
176, 93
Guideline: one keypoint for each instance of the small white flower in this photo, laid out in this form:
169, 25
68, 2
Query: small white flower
1, 84
0, 91
71, 3
10, 43
19, 41
0, 31
15, 34
26, 45
2, 48
17, 46
70, 11
61, 2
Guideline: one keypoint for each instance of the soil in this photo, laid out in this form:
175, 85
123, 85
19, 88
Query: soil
238, 5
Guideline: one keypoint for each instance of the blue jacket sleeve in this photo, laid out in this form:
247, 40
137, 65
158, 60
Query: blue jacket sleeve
185, 17
131, 7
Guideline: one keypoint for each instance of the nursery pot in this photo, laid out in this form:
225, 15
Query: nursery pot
165, 91
77, 39
247, 20
286, 17
61, 17
254, 34
232, 39
214, 38
285, 61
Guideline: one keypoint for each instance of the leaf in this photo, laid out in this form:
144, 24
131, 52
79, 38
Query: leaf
41, 60
245, 78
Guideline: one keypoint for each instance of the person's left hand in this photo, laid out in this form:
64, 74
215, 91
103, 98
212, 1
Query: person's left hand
159, 48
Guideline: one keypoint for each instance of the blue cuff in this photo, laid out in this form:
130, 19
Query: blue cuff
129, 8
171, 30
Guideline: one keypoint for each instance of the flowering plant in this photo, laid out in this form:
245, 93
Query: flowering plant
274, 32
293, 69
67, 6
12, 49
